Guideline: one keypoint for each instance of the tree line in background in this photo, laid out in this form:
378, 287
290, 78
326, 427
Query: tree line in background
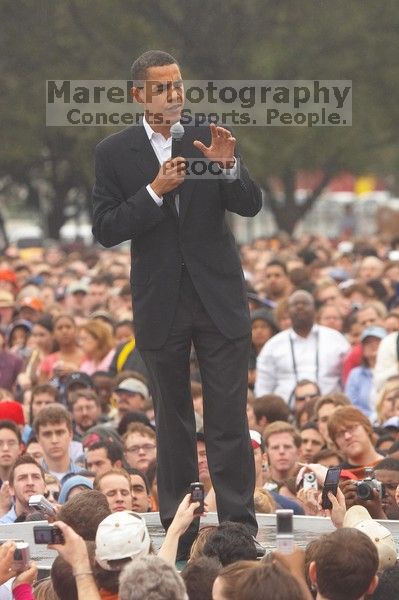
252, 40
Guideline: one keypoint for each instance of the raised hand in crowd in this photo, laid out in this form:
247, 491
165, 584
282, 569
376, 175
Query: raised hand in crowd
74, 552
5, 498
338, 510
28, 576
184, 516
6, 559
310, 501
319, 470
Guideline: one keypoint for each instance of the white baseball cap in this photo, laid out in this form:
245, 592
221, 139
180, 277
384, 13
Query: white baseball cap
358, 517
134, 386
121, 535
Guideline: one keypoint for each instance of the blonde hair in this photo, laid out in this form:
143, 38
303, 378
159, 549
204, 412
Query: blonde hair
113, 471
264, 502
281, 427
43, 590
389, 386
50, 479
102, 333
197, 547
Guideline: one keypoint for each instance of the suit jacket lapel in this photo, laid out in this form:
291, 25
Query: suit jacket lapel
144, 154
189, 152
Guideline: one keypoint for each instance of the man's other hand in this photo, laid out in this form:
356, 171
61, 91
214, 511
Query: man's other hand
221, 149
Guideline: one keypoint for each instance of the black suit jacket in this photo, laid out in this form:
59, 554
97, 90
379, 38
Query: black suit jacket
161, 240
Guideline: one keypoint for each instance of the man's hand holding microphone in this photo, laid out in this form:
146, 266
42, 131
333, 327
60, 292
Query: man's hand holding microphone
170, 176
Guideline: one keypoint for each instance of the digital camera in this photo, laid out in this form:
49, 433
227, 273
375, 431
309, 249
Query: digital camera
41, 504
310, 481
364, 488
48, 534
21, 558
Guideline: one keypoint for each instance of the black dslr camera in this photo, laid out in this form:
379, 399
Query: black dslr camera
368, 484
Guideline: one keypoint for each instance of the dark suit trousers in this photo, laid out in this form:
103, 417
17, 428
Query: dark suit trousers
224, 371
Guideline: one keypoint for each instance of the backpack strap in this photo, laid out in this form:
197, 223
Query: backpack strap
124, 353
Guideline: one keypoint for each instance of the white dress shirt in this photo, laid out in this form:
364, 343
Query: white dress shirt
163, 151
317, 357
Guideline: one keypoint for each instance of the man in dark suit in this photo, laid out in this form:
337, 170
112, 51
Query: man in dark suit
187, 285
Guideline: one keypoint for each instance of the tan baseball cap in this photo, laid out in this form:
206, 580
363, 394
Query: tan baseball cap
358, 517
121, 535
6, 299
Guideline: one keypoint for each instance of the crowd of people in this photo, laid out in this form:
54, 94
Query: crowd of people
77, 425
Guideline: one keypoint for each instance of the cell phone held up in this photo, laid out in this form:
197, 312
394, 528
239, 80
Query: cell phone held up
330, 485
197, 494
284, 531
21, 558
48, 534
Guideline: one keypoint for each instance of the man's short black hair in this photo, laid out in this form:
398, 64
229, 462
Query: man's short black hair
114, 451
7, 424
310, 425
230, 542
152, 58
24, 459
132, 416
278, 263
133, 471
388, 464
388, 585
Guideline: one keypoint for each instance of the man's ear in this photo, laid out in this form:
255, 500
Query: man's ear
313, 572
118, 464
373, 585
137, 94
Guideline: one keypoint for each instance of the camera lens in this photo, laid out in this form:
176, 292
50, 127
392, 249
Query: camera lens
364, 491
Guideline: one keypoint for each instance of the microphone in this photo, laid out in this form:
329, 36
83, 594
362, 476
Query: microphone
177, 132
